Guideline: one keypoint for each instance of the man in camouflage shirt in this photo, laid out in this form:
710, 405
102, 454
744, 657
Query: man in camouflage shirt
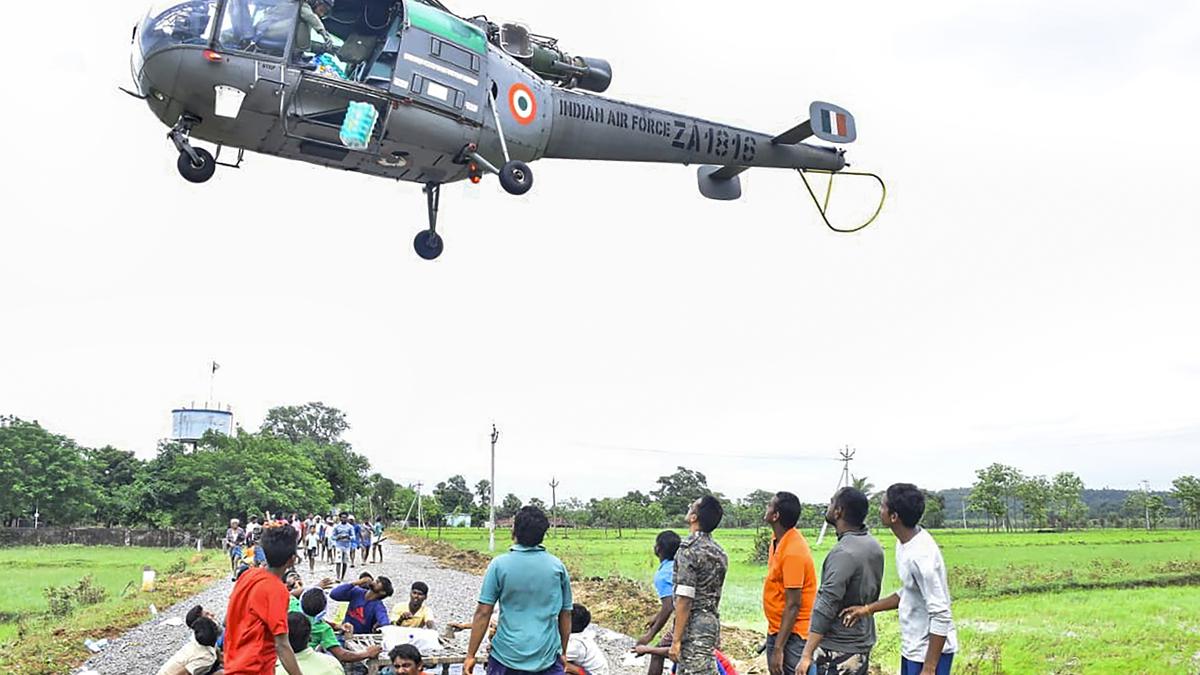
700, 566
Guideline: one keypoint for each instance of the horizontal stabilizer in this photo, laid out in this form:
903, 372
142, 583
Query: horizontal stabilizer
795, 134
726, 188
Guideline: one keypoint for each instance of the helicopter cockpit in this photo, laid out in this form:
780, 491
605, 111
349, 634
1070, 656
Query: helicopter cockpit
362, 31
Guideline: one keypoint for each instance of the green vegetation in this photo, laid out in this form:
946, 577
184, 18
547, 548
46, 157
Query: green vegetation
34, 641
1092, 601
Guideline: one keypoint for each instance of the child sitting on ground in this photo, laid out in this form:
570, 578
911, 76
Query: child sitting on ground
197, 656
584, 656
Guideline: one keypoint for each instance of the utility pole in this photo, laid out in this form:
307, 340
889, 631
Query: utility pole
1146, 501
420, 517
553, 500
492, 496
964, 510
846, 455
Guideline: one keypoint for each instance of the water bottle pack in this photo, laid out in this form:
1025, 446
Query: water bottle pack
359, 124
328, 66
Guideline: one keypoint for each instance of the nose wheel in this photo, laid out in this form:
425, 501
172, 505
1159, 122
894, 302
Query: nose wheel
196, 165
428, 243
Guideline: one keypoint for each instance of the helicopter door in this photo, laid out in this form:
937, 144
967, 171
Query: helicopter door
442, 63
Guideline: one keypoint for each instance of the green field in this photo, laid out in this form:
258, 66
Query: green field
26, 571
1096, 601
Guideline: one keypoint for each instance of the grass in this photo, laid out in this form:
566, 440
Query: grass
32, 642
1097, 601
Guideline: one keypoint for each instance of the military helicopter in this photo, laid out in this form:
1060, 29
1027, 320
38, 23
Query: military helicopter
408, 90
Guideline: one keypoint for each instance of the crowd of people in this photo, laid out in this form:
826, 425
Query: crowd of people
274, 625
816, 625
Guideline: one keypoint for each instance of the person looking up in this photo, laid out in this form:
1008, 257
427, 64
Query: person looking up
534, 590
665, 546
256, 624
314, 605
790, 585
700, 566
850, 575
928, 639
235, 537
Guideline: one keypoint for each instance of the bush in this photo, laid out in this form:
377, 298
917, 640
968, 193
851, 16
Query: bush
59, 600
62, 599
88, 592
762, 546
178, 567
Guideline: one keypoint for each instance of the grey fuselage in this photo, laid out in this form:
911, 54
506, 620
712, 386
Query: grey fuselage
434, 93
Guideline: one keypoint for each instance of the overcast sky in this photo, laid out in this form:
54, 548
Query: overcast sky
1029, 296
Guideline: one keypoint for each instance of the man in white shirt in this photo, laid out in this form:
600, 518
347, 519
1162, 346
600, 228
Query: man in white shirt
584, 656
928, 640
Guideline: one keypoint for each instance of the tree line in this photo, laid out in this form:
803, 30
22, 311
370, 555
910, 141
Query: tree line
1009, 500
296, 462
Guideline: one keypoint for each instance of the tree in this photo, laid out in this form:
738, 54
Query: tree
454, 496
935, 510
638, 498
483, 490
1186, 489
509, 507
114, 473
1036, 494
994, 491
537, 502
862, 484
382, 492
317, 422
43, 472
1067, 500
677, 491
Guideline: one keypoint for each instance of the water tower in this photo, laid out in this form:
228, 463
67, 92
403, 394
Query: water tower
188, 425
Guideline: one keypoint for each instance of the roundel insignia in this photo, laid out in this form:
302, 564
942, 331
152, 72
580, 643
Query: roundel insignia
521, 103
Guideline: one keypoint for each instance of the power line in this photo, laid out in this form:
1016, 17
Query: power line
711, 455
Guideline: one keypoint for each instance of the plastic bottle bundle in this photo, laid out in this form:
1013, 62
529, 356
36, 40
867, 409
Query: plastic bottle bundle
360, 122
326, 65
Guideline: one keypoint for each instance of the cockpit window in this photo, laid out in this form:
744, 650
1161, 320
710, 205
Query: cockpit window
258, 26
174, 22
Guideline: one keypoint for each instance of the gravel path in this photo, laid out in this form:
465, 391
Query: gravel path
452, 597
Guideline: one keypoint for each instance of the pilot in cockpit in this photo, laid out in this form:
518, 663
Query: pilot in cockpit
311, 13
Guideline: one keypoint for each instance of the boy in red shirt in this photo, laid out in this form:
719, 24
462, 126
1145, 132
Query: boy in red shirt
256, 628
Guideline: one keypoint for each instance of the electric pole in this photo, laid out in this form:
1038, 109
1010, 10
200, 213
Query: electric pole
420, 517
553, 500
846, 454
1146, 500
492, 496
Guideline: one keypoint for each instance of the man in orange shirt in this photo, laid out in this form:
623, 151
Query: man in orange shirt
256, 621
790, 586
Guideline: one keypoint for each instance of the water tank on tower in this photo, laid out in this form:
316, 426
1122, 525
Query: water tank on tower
190, 424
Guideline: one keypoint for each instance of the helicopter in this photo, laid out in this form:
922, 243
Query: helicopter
408, 90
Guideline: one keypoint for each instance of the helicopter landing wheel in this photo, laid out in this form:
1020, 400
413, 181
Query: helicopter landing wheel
428, 244
516, 177
197, 171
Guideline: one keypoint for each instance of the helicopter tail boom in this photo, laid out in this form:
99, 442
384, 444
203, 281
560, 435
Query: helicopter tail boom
585, 126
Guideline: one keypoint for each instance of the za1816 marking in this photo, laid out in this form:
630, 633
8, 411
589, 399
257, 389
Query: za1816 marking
731, 145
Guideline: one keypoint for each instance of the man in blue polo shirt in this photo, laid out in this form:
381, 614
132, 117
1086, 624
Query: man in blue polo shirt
535, 591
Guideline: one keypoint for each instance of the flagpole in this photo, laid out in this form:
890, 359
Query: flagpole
212, 378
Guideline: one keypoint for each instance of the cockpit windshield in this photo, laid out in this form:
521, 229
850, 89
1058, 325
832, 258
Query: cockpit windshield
259, 26
173, 22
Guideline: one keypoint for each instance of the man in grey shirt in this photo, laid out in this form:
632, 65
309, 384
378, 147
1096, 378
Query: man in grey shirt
850, 576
